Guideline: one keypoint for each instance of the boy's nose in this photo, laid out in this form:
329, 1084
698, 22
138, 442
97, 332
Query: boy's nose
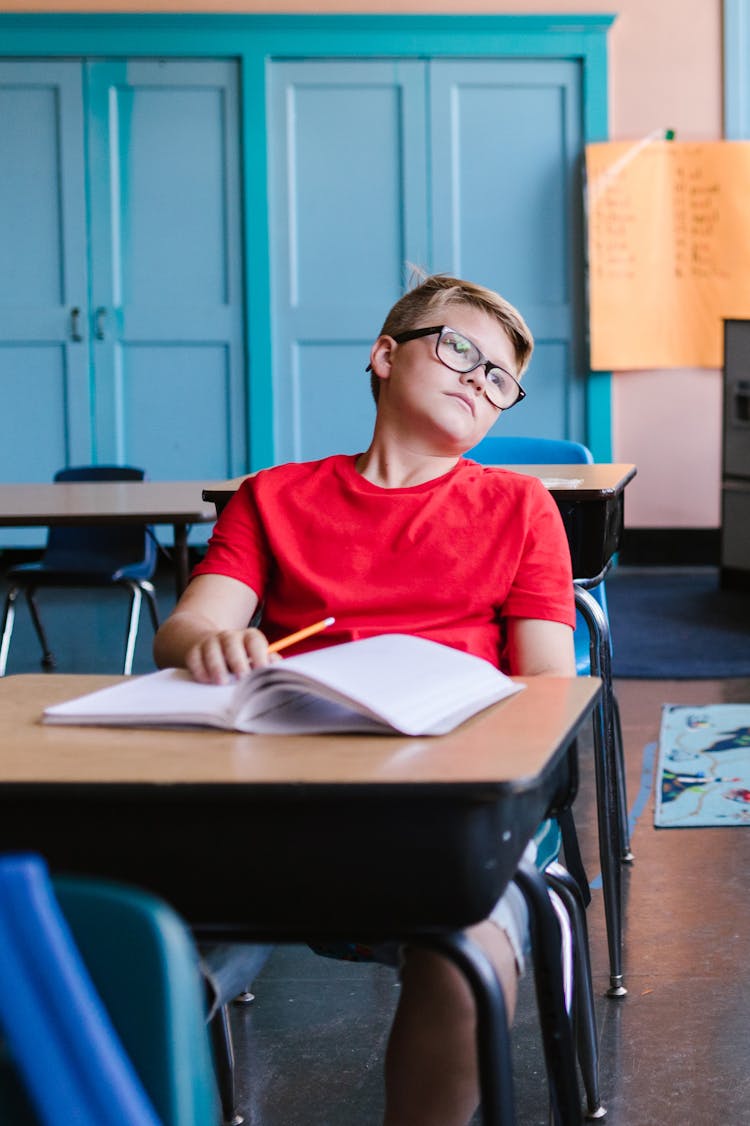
477, 377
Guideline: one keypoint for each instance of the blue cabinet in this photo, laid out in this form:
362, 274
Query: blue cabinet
121, 305
154, 168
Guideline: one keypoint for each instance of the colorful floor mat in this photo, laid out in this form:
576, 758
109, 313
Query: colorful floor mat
703, 768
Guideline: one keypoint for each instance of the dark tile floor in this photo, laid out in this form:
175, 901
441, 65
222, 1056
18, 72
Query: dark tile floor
674, 1051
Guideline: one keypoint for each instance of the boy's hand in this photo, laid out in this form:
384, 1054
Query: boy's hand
218, 657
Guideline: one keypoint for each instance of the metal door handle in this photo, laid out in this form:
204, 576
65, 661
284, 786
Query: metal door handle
100, 317
75, 327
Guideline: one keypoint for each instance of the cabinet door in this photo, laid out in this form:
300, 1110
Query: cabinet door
505, 192
166, 311
463, 166
347, 190
45, 421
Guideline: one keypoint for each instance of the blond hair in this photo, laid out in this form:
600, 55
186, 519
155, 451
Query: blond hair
427, 301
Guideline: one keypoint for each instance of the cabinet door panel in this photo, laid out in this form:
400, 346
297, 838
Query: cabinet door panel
346, 196
505, 193
166, 266
46, 420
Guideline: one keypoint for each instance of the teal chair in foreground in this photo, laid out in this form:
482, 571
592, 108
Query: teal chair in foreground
102, 1006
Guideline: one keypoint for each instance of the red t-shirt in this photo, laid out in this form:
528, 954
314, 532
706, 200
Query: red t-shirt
447, 560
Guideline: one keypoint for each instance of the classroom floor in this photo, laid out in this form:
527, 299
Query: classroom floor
674, 1051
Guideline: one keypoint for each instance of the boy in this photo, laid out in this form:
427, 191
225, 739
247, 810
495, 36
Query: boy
407, 537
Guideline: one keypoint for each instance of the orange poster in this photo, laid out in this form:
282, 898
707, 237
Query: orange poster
669, 250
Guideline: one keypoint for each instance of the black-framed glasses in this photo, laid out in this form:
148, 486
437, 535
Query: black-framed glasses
459, 353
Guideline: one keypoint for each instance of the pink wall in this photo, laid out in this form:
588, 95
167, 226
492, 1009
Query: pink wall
666, 72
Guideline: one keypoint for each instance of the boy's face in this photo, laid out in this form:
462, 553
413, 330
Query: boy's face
423, 398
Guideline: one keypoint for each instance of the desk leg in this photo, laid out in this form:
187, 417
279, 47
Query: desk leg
557, 1030
493, 1037
180, 557
608, 803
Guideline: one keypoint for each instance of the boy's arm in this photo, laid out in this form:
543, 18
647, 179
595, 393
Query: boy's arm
207, 631
537, 648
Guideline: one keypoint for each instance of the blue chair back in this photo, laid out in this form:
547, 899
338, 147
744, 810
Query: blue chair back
495, 450
545, 451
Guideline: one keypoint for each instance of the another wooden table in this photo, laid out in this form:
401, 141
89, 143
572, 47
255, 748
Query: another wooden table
590, 499
591, 502
296, 837
178, 503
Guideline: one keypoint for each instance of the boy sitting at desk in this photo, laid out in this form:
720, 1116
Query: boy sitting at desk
407, 537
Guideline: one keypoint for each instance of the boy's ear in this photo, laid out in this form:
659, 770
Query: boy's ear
381, 356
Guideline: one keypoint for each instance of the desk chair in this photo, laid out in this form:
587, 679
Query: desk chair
101, 1004
593, 649
95, 555
545, 451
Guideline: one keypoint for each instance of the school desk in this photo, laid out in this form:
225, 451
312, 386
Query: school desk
295, 838
178, 503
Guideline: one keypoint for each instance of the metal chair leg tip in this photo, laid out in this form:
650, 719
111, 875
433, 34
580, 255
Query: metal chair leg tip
598, 1113
244, 998
235, 1120
628, 857
617, 989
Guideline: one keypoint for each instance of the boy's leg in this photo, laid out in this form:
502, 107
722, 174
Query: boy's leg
431, 1068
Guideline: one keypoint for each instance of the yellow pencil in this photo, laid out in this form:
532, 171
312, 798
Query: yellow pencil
300, 635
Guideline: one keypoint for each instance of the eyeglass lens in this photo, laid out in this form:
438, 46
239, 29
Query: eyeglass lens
461, 354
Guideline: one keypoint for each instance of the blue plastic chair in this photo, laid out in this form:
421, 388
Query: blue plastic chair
546, 451
91, 555
551, 451
101, 1003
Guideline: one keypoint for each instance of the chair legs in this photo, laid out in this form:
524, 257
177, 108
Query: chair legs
137, 591
610, 778
9, 616
228, 970
582, 1000
557, 1034
48, 658
626, 853
223, 1045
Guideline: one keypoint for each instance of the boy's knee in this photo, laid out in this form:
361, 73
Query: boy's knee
431, 974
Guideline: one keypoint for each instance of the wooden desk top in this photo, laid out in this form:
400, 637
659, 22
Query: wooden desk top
575, 482
92, 502
504, 745
581, 482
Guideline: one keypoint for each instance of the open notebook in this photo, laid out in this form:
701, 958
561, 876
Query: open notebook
393, 682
